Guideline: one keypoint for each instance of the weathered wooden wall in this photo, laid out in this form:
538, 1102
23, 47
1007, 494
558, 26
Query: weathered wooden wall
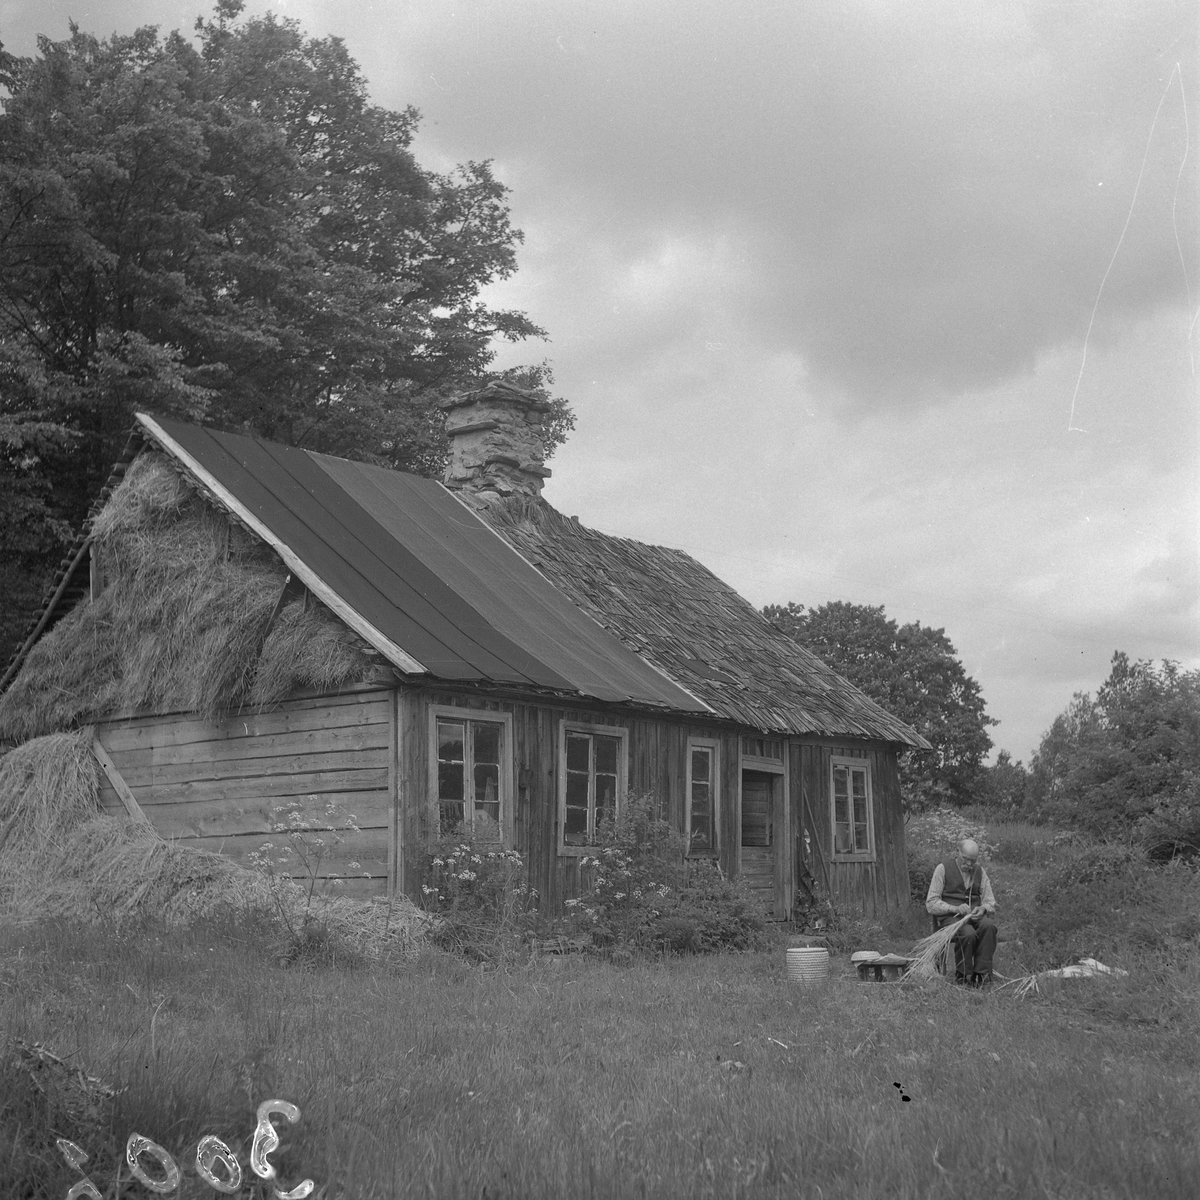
218, 785
657, 764
215, 784
871, 887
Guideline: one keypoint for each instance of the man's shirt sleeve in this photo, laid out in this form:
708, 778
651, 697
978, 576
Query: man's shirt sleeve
934, 904
986, 898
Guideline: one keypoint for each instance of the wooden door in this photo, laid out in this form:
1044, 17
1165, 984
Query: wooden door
760, 843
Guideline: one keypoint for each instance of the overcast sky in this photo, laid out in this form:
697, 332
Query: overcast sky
892, 303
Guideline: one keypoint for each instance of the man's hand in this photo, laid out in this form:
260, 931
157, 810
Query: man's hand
977, 912
963, 910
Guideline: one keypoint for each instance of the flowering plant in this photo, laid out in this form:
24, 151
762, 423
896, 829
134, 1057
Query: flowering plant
306, 841
480, 891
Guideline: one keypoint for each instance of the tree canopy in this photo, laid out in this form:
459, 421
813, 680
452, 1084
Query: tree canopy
1127, 760
914, 672
224, 228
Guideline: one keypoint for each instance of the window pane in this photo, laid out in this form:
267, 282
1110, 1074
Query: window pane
606, 754
578, 751
487, 791
841, 810
860, 797
861, 842
841, 838
450, 781
485, 743
700, 817
700, 814
450, 817
606, 798
840, 785
575, 831
450, 741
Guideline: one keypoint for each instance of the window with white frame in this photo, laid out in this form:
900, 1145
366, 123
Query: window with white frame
472, 753
702, 794
592, 773
853, 824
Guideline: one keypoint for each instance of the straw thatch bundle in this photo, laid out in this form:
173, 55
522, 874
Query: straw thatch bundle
62, 857
932, 955
181, 623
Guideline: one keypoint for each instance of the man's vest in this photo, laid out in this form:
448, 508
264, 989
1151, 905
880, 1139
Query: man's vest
957, 890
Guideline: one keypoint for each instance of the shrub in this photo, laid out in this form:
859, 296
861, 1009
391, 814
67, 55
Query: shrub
1172, 828
922, 862
642, 892
718, 911
1093, 898
480, 893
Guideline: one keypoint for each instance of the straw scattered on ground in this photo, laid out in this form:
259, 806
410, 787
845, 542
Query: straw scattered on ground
181, 623
64, 857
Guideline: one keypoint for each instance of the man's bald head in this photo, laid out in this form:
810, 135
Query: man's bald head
968, 850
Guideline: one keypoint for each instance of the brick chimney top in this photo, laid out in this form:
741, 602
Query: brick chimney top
496, 444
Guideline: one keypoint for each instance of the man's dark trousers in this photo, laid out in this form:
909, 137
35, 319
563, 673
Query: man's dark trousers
974, 946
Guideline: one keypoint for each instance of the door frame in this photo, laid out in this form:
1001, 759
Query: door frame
780, 819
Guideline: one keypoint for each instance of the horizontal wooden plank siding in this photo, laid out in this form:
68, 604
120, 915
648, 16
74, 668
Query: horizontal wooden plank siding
220, 785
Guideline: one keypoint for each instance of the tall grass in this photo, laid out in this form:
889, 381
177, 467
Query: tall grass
689, 1077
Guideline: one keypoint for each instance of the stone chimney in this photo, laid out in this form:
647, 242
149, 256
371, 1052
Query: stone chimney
496, 442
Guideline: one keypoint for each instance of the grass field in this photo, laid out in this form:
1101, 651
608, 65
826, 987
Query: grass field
561, 1078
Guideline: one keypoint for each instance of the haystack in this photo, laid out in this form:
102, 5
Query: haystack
182, 623
61, 856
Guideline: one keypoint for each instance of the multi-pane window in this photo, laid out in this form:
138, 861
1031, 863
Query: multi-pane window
851, 808
469, 758
702, 796
592, 779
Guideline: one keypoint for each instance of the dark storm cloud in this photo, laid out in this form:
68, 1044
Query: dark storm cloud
928, 195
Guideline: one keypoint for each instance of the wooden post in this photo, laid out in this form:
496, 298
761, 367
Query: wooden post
817, 841
119, 785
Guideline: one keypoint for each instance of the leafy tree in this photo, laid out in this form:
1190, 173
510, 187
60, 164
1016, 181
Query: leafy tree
1005, 783
1110, 763
914, 672
228, 230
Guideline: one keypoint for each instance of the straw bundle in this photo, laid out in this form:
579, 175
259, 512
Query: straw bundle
933, 955
62, 857
181, 623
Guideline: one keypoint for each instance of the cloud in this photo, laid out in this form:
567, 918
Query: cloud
927, 195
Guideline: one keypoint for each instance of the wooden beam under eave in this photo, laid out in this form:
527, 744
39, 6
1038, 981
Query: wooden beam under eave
132, 807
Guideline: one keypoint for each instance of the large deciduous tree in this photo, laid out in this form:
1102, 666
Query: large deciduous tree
914, 672
1128, 760
225, 228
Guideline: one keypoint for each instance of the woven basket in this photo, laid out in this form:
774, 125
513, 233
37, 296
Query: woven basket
807, 964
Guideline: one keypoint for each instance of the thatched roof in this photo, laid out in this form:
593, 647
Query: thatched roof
200, 535
193, 617
665, 606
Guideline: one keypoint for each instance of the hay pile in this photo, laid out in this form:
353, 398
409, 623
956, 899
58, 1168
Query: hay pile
63, 857
180, 623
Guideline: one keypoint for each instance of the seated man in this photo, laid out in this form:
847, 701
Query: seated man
960, 888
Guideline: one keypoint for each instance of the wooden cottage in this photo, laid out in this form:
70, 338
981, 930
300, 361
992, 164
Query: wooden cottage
486, 662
